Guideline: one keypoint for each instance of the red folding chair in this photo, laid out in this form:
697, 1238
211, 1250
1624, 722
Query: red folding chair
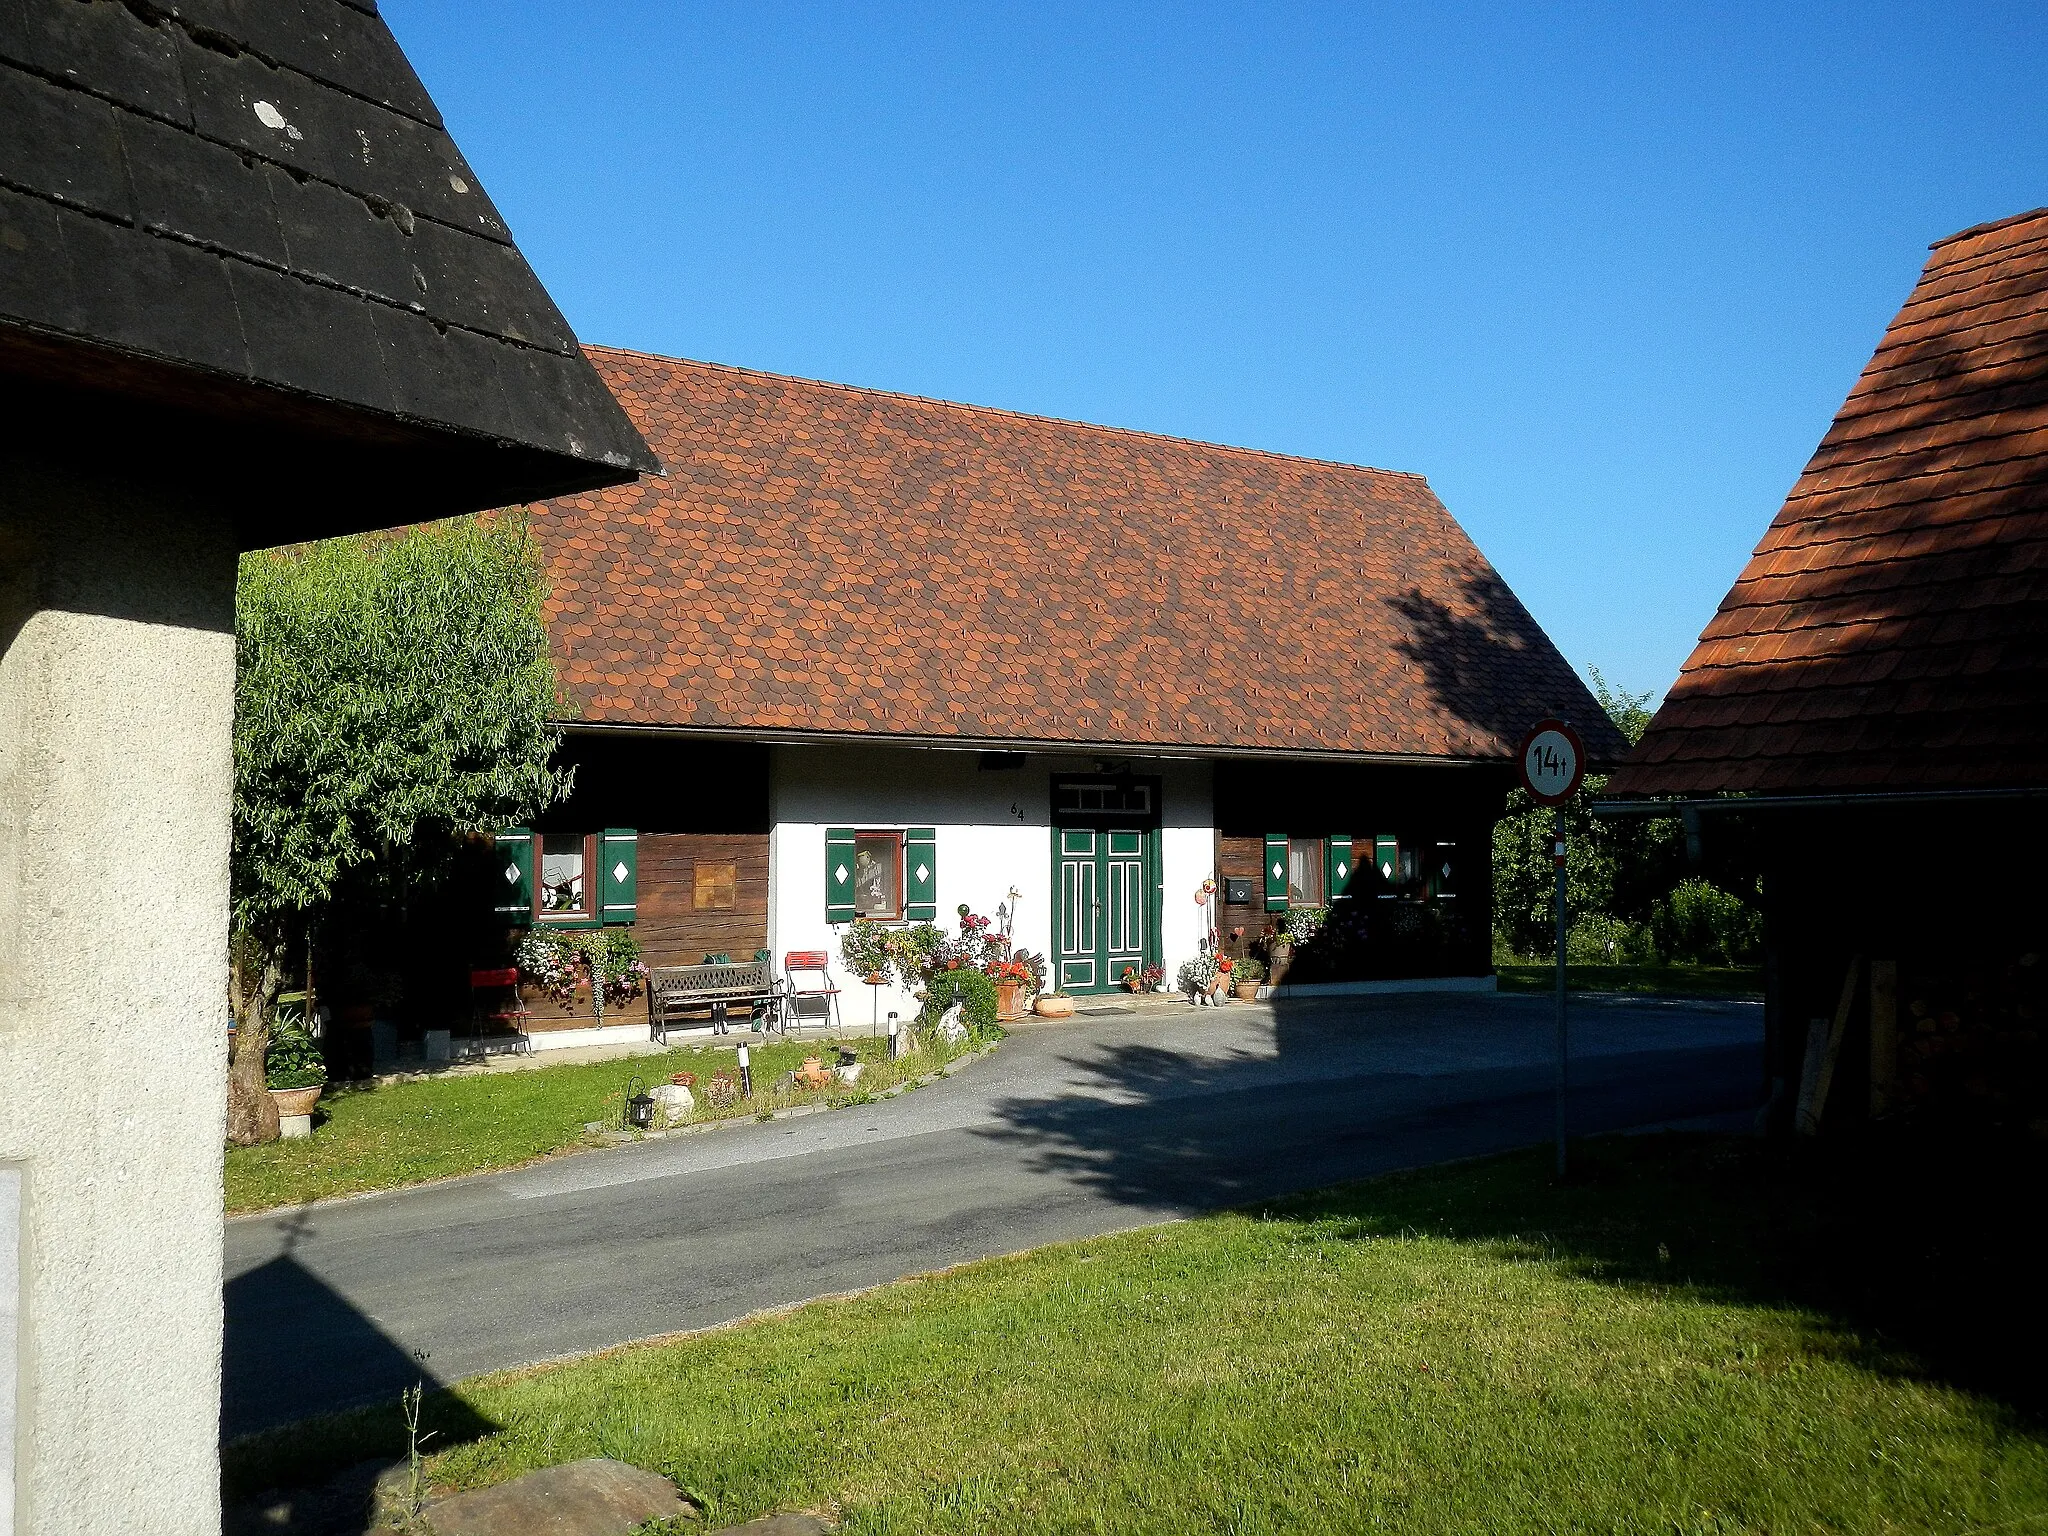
809, 962
509, 1013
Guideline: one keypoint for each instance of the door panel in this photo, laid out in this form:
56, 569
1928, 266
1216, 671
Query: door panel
1080, 918
1105, 891
1124, 883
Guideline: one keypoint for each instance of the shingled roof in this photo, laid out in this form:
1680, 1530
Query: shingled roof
248, 214
1891, 630
827, 559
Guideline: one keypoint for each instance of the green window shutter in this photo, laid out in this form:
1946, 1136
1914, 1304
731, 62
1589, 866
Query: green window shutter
1339, 871
1443, 871
1386, 861
1276, 871
839, 874
618, 862
921, 875
514, 882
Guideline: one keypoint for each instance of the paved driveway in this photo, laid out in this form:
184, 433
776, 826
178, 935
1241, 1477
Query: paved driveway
1069, 1130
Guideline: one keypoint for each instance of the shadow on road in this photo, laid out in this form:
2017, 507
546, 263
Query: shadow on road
263, 1387
1380, 1095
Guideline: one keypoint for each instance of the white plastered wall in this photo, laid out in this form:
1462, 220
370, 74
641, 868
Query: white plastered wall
994, 830
116, 699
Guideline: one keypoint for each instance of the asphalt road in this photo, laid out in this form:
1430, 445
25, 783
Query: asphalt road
1069, 1130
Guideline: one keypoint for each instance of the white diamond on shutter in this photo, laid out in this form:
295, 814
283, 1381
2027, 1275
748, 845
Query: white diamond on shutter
1343, 869
923, 872
839, 874
1387, 870
1279, 870
511, 874
619, 871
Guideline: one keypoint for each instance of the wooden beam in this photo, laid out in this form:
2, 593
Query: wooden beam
1884, 1035
1819, 1074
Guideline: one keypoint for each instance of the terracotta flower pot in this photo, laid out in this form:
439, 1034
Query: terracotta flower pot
1247, 991
296, 1101
1006, 999
1049, 1007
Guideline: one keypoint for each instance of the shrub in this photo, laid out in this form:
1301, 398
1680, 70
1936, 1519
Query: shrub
1247, 969
1701, 924
1196, 975
973, 991
1597, 939
293, 1058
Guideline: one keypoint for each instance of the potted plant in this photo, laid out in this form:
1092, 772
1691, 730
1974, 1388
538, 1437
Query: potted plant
1009, 977
866, 950
1053, 1005
1245, 976
293, 1067
1130, 980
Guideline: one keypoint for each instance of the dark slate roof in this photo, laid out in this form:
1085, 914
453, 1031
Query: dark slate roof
1891, 631
251, 209
821, 558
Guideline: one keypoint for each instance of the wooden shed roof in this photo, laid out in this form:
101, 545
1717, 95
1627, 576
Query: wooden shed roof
1890, 633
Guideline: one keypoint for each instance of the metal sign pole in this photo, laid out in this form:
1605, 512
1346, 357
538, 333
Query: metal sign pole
1553, 765
1557, 854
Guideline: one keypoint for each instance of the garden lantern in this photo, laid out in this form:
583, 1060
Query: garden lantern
639, 1105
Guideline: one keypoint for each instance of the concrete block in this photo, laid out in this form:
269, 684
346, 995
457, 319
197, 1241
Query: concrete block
439, 1045
290, 1126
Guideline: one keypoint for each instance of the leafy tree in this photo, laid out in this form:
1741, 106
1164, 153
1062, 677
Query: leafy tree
1615, 867
393, 693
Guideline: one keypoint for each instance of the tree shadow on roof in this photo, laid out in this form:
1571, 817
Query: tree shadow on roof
1489, 665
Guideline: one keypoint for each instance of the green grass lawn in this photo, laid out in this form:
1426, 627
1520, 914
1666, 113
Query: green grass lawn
1682, 1340
1656, 980
383, 1136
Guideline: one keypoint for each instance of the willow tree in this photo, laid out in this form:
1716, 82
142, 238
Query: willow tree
392, 693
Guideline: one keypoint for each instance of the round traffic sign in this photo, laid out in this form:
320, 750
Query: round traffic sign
1553, 761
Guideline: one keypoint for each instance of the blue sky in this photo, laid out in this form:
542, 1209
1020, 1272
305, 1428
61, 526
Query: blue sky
1601, 273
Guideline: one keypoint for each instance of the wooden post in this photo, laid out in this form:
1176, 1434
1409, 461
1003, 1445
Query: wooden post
1819, 1069
1884, 1035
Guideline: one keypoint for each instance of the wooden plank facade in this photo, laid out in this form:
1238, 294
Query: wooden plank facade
702, 893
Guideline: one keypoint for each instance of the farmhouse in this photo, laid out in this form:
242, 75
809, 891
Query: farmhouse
858, 654
1872, 698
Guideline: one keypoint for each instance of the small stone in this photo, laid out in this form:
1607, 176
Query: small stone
597, 1497
849, 1075
677, 1103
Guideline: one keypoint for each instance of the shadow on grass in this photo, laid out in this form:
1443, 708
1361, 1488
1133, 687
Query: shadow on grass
1919, 1249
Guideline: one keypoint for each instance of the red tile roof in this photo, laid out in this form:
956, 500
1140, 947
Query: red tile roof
1891, 630
826, 559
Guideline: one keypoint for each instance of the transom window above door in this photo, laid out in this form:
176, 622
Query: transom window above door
1108, 795
878, 875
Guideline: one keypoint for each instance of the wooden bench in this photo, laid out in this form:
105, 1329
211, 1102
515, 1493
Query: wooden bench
673, 991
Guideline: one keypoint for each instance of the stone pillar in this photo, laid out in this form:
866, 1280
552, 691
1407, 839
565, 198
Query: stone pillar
116, 706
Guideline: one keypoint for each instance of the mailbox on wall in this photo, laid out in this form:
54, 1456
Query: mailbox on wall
1237, 891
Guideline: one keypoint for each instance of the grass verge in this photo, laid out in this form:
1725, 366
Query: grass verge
1653, 980
383, 1136
1682, 1339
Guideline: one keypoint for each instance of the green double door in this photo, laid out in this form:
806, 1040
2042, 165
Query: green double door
1106, 880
